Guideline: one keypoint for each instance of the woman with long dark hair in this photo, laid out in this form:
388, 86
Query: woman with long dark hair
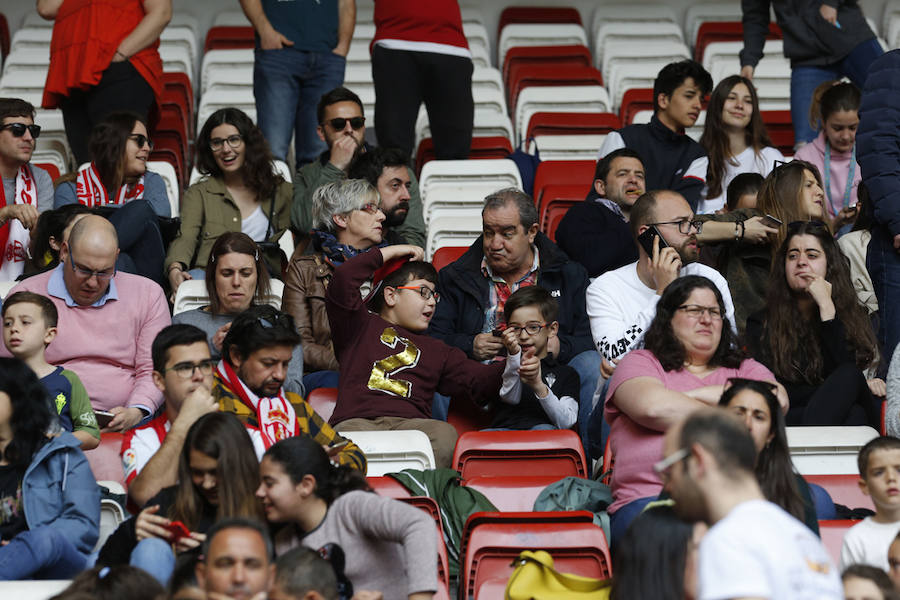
389, 546
49, 500
814, 334
240, 192
217, 474
689, 354
755, 403
735, 139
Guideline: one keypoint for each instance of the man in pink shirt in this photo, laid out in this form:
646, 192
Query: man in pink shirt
107, 323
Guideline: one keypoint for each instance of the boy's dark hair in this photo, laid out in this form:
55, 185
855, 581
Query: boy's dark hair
533, 295
15, 107
674, 74
605, 163
301, 570
239, 523
48, 309
741, 185
260, 326
724, 437
883, 442
179, 334
338, 94
370, 165
408, 271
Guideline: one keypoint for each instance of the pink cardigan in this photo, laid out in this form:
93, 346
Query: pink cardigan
109, 346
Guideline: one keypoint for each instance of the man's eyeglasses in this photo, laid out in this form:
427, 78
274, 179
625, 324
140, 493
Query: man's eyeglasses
370, 208
530, 328
186, 370
695, 311
338, 123
234, 141
426, 292
663, 467
140, 139
685, 226
87, 273
18, 129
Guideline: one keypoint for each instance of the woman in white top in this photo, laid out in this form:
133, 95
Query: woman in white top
735, 139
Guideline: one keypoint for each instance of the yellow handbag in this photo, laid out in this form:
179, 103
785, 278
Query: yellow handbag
534, 578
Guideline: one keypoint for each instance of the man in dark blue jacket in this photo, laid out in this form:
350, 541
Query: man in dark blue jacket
878, 153
512, 253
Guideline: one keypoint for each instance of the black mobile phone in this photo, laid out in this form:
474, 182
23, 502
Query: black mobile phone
646, 240
103, 417
770, 221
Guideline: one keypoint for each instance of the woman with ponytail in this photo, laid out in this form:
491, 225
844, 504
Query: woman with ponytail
389, 546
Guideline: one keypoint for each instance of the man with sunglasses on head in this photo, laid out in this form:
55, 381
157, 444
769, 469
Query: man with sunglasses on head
249, 382
27, 190
107, 322
342, 127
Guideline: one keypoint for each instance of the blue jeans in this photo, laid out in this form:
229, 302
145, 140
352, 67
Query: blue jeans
804, 81
587, 364
883, 264
154, 556
288, 84
622, 518
321, 379
40, 553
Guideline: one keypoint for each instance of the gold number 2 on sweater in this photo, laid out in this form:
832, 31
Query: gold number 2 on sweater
382, 370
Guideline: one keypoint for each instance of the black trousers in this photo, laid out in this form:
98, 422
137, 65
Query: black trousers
842, 399
405, 79
120, 88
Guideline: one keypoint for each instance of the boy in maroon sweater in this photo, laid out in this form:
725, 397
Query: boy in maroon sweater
390, 370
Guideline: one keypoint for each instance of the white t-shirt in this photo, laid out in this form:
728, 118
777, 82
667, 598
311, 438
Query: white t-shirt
867, 543
760, 551
256, 225
621, 307
748, 162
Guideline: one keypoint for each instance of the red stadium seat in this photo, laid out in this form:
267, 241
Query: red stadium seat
562, 172
843, 489
491, 541
832, 534
555, 219
223, 37
482, 147
388, 486
557, 199
725, 31
323, 401
52, 169
575, 55
571, 123
431, 507
516, 493
634, 101
168, 150
446, 255
608, 462
465, 416
553, 453
525, 75
177, 87
781, 129
537, 14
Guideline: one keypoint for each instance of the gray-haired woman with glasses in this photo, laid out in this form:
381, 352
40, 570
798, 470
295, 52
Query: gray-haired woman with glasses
240, 193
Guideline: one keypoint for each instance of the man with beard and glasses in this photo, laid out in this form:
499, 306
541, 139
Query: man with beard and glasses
753, 549
342, 127
248, 382
386, 169
622, 303
595, 232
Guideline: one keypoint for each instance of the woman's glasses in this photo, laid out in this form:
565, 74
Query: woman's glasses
234, 142
695, 311
370, 208
140, 139
18, 129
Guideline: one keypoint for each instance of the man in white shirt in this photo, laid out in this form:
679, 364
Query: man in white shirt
754, 549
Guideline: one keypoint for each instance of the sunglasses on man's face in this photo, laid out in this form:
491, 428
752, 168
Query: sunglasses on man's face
18, 129
339, 123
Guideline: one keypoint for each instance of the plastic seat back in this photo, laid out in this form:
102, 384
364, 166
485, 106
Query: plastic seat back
387, 486
323, 401
843, 489
447, 254
832, 535
556, 452
515, 493
390, 451
562, 172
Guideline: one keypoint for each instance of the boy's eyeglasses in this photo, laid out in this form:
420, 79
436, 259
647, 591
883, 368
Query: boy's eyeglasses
338, 123
186, 370
234, 141
426, 292
530, 328
140, 139
18, 129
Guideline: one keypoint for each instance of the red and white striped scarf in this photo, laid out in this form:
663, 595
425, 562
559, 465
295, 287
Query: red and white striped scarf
90, 191
14, 238
276, 416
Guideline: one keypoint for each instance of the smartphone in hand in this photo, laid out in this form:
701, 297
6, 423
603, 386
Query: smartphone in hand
646, 240
770, 221
178, 530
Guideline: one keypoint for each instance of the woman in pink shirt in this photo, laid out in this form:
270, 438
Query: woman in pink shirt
687, 359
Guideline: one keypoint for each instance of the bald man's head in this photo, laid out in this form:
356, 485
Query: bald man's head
89, 259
